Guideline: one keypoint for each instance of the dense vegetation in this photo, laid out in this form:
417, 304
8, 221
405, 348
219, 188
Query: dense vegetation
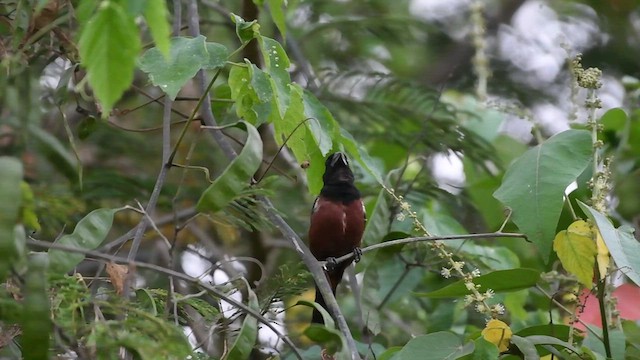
158, 161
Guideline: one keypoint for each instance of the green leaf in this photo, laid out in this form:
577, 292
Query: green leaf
36, 317
323, 126
156, 15
329, 338
246, 31
485, 350
526, 347
390, 353
276, 65
277, 14
84, 11
359, 153
436, 346
616, 341
244, 97
623, 246
534, 185
237, 176
88, 235
186, 57
28, 213
558, 331
218, 55
498, 281
246, 339
326, 318
10, 179
275, 58
614, 119
377, 221
109, 46
550, 340
577, 251
326, 334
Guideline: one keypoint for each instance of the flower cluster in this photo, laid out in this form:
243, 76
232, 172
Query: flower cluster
454, 267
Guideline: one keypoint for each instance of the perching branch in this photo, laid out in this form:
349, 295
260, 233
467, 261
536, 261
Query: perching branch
432, 238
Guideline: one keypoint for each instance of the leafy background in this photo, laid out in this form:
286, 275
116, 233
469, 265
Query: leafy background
394, 84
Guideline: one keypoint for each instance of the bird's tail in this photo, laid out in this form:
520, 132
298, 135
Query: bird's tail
334, 279
316, 318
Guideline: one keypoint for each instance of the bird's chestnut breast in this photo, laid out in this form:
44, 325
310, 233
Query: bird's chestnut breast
336, 227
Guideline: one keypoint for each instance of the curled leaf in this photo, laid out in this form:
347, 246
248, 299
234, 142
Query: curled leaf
498, 333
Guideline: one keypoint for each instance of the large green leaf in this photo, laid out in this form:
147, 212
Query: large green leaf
109, 46
251, 90
295, 126
186, 57
237, 176
623, 246
156, 14
246, 339
88, 235
498, 281
534, 185
436, 346
36, 317
10, 179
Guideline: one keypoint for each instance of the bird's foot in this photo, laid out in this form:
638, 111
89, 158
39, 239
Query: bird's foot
330, 264
357, 254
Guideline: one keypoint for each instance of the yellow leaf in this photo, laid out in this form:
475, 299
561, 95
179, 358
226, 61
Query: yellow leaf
577, 250
603, 257
498, 333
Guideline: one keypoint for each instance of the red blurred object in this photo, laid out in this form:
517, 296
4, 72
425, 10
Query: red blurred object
628, 296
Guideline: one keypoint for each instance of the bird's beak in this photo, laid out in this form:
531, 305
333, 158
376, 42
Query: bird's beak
339, 157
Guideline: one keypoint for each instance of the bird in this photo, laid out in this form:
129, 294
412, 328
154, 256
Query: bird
338, 219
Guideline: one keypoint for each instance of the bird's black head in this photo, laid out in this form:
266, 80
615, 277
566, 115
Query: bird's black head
337, 170
338, 178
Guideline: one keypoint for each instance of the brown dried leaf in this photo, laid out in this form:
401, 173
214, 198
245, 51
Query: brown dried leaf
118, 276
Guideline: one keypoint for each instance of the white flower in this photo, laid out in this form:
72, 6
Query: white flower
475, 273
458, 265
498, 309
489, 294
469, 285
445, 272
481, 308
468, 300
